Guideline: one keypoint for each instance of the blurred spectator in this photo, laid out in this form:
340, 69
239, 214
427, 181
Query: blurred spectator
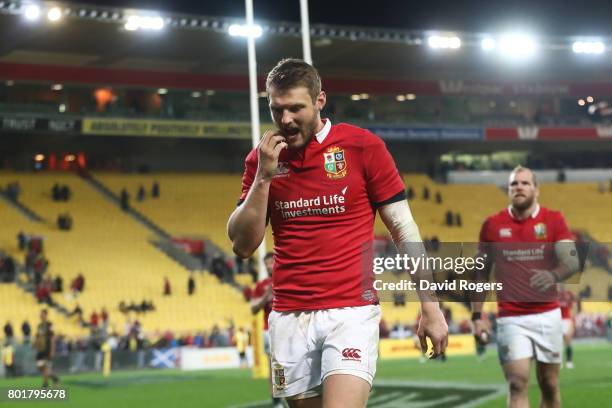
218, 339
148, 306
64, 221
425, 193
26, 330
55, 192
191, 285
21, 240
8, 270
438, 197
601, 187
242, 342
78, 313
8, 359
8, 331
78, 284
399, 299
43, 293
458, 221
239, 264
167, 287
12, 190
65, 193
435, 243
140, 195
585, 293
561, 176
410, 193
125, 200
399, 331
220, 269
252, 269
449, 218
155, 190
58, 284
93, 320
123, 307
104, 317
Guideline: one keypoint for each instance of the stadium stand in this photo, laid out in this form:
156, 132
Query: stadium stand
584, 207
189, 204
119, 264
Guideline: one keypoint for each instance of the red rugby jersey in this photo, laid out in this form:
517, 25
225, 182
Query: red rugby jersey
260, 290
322, 205
517, 253
566, 302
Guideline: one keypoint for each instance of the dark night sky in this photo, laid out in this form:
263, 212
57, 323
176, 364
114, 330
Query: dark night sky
545, 17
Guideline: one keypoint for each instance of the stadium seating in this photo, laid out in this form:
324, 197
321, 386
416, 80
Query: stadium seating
18, 306
189, 204
115, 256
583, 206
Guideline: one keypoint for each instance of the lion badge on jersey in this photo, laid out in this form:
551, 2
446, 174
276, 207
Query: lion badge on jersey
540, 230
335, 162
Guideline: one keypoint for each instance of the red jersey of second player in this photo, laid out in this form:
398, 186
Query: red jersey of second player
260, 290
519, 248
322, 207
566, 302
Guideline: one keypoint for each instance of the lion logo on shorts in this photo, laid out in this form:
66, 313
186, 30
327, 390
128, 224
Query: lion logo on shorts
279, 376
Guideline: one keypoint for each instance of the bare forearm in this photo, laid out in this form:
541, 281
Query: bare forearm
407, 239
247, 224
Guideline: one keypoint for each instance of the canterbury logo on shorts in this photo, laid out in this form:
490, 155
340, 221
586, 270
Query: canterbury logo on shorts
351, 354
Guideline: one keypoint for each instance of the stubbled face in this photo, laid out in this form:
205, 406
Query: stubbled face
295, 114
522, 190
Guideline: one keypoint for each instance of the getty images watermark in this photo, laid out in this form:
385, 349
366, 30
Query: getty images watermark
506, 271
411, 265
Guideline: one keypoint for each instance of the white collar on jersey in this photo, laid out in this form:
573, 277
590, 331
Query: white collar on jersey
533, 214
322, 134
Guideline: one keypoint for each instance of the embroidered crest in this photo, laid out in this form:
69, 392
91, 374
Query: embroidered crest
540, 230
279, 376
335, 162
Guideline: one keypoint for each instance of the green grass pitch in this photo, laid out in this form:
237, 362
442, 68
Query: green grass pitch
459, 382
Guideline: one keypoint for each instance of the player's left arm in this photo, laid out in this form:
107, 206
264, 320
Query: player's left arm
567, 259
567, 265
405, 233
568, 262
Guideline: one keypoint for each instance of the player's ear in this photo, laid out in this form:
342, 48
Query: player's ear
320, 101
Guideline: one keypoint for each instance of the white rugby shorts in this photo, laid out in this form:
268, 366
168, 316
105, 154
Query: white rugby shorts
537, 335
308, 346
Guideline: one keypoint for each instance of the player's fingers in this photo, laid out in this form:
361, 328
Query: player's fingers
279, 147
423, 342
275, 139
437, 347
